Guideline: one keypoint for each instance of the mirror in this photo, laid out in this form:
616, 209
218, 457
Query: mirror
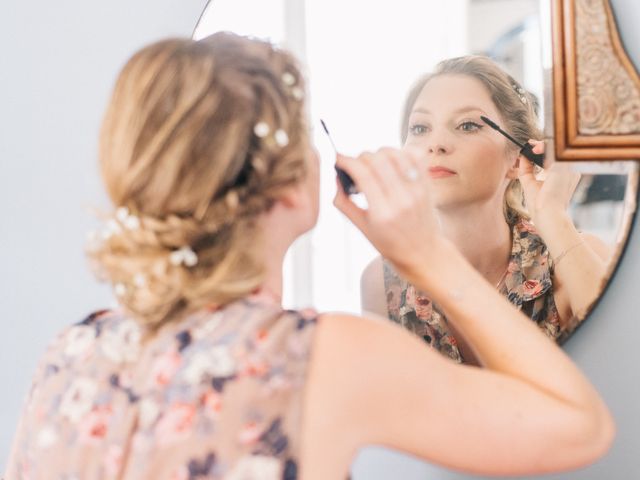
358, 82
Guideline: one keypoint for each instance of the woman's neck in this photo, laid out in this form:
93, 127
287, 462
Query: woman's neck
482, 235
271, 288
275, 243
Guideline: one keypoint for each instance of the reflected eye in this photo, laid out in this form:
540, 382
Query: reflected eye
470, 126
417, 129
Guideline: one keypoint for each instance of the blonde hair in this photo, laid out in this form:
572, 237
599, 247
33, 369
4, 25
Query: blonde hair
518, 108
179, 151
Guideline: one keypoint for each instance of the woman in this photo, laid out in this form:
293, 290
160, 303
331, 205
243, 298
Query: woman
534, 256
200, 373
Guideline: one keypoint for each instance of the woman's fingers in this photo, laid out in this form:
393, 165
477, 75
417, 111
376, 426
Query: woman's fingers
538, 146
412, 162
355, 214
399, 218
382, 166
359, 169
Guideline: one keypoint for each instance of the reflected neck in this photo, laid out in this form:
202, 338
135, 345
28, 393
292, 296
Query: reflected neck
482, 235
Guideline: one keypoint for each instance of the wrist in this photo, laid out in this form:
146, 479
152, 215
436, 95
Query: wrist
552, 221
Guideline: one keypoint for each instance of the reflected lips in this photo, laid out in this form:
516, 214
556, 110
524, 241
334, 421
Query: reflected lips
440, 172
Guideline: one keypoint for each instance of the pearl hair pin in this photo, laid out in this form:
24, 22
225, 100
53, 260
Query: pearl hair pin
261, 129
288, 79
184, 256
281, 137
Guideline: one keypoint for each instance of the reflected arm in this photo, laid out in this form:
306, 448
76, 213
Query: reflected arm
580, 265
372, 295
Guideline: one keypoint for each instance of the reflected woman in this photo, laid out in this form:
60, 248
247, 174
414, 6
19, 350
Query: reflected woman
480, 186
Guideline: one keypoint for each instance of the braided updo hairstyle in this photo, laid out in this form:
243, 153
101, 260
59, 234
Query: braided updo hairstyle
179, 151
518, 108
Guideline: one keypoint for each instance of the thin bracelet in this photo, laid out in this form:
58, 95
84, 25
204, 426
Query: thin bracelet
559, 257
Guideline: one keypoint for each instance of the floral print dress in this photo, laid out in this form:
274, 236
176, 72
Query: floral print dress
217, 395
527, 285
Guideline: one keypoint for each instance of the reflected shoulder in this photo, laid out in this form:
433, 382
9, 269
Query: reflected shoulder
372, 292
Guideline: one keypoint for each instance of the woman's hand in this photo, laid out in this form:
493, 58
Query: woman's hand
547, 199
400, 221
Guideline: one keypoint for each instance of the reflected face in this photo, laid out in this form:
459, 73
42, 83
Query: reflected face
468, 161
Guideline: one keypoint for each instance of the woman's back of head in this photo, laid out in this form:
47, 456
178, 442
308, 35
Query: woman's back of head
199, 138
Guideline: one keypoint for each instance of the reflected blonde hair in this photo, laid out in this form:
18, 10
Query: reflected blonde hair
178, 149
520, 118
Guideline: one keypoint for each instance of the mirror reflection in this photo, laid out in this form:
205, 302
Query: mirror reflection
548, 238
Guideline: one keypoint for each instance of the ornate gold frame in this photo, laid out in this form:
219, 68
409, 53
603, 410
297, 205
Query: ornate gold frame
596, 88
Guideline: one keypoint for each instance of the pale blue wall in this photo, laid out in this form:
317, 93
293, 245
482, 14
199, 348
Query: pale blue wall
58, 62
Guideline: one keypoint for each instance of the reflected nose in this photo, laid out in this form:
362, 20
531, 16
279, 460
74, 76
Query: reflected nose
438, 148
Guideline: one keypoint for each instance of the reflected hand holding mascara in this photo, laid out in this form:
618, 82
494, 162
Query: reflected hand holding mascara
526, 150
347, 183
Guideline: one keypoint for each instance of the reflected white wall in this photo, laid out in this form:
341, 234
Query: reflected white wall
360, 73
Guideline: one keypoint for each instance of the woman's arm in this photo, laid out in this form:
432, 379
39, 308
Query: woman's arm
529, 411
580, 261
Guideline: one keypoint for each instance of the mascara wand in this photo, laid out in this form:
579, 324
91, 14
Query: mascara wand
348, 185
525, 150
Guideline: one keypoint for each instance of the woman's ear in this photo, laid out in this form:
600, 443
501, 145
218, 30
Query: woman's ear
291, 197
514, 164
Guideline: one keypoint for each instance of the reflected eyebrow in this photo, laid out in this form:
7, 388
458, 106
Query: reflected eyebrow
468, 108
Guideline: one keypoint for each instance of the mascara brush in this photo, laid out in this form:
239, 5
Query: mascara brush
526, 150
348, 185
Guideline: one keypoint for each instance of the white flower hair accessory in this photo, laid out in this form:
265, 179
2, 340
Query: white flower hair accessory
140, 280
184, 256
520, 92
128, 220
288, 79
297, 93
261, 129
291, 83
281, 137
120, 289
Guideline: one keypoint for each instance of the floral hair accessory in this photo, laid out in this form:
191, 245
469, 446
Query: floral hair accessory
261, 129
288, 79
139, 280
297, 93
129, 221
184, 256
520, 92
120, 289
281, 137
110, 229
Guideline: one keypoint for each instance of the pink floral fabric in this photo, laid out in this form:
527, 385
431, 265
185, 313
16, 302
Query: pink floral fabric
217, 395
527, 284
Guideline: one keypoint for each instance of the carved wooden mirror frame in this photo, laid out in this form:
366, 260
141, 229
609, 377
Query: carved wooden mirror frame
596, 88
595, 109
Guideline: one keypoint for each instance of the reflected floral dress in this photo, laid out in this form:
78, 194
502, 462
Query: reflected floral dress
527, 284
216, 396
